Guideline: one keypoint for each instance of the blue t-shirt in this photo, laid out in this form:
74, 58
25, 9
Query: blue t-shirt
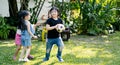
25, 34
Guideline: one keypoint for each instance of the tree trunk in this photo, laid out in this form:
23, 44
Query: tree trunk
13, 9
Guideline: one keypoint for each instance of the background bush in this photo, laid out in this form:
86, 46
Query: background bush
89, 16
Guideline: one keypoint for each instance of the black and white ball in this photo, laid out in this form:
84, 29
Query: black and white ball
60, 28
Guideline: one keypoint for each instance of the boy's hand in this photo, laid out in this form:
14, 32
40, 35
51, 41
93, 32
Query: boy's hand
56, 26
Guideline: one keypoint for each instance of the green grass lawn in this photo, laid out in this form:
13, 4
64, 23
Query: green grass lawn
79, 50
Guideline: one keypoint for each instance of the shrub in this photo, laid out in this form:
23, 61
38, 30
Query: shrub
5, 28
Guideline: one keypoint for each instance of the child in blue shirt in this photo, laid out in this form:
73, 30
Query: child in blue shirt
27, 32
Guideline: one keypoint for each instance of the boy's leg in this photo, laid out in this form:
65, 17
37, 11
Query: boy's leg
60, 45
49, 45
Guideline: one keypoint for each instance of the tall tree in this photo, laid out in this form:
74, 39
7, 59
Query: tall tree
13, 9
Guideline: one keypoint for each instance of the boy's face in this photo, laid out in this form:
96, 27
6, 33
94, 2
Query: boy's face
54, 13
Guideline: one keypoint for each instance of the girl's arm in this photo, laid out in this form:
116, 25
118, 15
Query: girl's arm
37, 24
28, 28
50, 28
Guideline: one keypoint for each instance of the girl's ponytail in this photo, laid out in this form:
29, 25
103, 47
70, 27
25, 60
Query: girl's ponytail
21, 16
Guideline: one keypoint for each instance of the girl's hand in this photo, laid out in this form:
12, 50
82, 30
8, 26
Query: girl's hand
38, 24
35, 37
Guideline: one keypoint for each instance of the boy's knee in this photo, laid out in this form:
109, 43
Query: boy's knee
62, 45
48, 50
61, 48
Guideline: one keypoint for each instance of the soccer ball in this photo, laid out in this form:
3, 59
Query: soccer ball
60, 28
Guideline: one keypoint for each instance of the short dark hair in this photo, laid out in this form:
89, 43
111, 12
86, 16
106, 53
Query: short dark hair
54, 8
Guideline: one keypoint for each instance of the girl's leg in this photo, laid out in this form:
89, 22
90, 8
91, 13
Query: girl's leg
27, 53
16, 52
22, 54
30, 56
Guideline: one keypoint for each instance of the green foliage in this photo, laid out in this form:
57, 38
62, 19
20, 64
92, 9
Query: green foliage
4, 32
117, 24
94, 17
63, 10
5, 28
39, 33
35, 11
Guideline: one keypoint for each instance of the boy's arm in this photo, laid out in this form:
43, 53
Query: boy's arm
50, 28
35, 25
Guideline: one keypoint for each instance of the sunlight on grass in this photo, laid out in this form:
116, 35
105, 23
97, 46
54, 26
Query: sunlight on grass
8, 45
107, 41
82, 52
71, 64
104, 36
86, 54
79, 50
116, 38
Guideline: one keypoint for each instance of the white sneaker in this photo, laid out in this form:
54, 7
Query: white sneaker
26, 59
21, 59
